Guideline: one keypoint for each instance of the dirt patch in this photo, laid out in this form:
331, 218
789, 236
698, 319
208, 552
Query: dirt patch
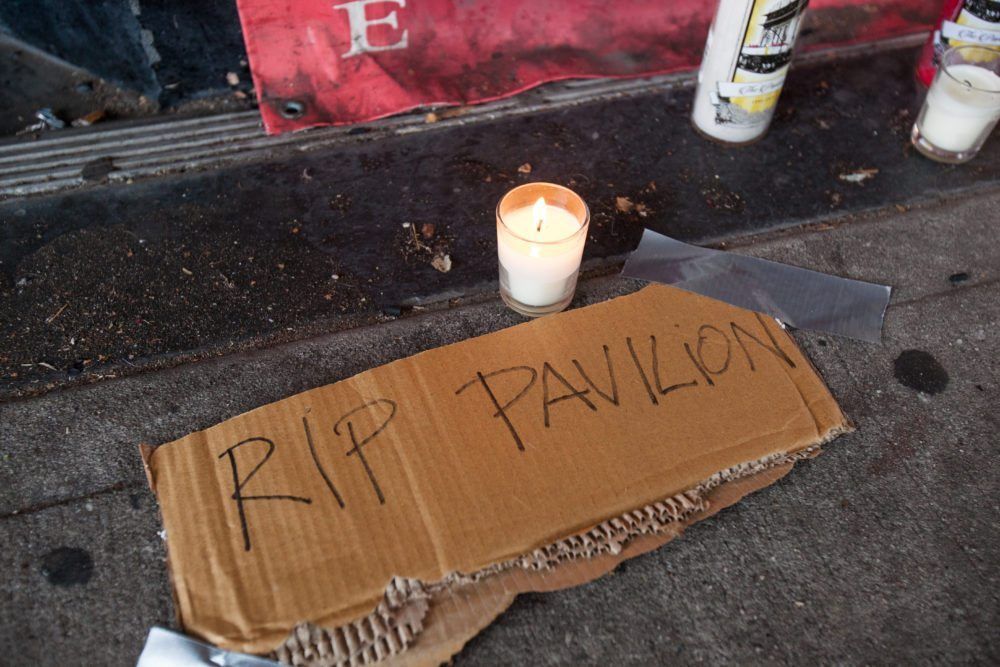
62, 319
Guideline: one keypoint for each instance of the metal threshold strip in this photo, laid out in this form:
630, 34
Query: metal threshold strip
132, 150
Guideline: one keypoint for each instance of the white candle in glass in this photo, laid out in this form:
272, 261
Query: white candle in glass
957, 113
541, 231
962, 105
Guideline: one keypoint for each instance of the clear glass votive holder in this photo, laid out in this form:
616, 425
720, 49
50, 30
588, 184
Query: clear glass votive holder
962, 105
541, 231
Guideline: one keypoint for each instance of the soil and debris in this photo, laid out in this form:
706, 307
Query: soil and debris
626, 205
901, 122
89, 119
445, 114
45, 119
716, 196
858, 176
441, 262
232, 227
154, 294
431, 243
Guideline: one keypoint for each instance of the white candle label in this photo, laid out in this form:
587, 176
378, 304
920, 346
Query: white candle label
978, 22
751, 89
967, 35
743, 70
765, 52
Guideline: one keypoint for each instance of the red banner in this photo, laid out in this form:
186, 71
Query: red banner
323, 62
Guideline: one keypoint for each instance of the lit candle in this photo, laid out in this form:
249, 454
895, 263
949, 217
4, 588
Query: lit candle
541, 230
962, 105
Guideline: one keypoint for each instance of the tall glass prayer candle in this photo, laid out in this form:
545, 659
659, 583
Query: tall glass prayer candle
962, 23
541, 230
962, 105
743, 68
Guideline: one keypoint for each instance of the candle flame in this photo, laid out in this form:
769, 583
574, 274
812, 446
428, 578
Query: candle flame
539, 212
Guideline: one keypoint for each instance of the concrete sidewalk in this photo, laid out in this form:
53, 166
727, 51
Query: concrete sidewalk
883, 549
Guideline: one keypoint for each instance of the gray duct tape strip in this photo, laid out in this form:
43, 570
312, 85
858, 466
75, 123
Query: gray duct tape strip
799, 297
171, 649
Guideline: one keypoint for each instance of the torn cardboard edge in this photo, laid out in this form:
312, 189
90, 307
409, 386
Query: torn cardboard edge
800, 297
726, 390
390, 633
397, 623
394, 633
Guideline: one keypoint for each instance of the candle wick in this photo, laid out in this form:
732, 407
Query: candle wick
539, 211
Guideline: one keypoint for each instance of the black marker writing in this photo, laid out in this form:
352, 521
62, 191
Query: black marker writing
548, 370
701, 355
773, 348
319, 467
238, 484
697, 364
642, 373
697, 356
657, 378
613, 398
359, 444
656, 373
501, 410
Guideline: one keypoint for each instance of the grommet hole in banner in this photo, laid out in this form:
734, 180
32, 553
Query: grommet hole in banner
292, 109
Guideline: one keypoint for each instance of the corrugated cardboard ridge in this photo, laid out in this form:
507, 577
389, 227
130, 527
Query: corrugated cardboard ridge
397, 620
388, 630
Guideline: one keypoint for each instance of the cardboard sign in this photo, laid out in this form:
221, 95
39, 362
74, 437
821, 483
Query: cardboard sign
478, 459
322, 62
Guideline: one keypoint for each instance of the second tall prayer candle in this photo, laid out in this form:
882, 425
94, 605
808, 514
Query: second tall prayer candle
743, 69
